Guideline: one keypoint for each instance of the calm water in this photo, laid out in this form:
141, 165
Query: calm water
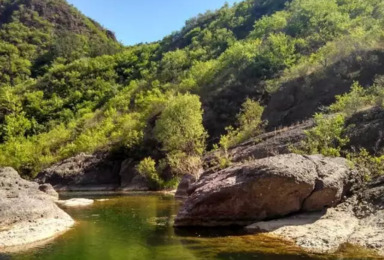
139, 227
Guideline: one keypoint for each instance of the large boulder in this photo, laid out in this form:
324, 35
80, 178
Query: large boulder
83, 170
264, 189
27, 215
359, 220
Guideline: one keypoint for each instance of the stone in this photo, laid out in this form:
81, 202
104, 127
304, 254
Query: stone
49, 190
82, 170
263, 189
319, 232
184, 185
131, 180
359, 220
75, 203
27, 215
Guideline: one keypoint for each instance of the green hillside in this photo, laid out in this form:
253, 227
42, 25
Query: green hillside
66, 85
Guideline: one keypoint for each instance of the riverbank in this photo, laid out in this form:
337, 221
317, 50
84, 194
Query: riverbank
28, 212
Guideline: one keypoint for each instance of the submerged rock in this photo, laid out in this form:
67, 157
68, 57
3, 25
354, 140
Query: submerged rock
267, 188
73, 203
27, 215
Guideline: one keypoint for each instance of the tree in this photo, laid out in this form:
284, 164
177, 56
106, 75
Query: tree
13, 67
180, 126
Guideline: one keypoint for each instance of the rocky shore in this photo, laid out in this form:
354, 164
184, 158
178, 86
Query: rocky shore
318, 203
28, 212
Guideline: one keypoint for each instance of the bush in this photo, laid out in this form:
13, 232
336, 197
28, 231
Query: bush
147, 169
378, 91
351, 102
370, 165
250, 125
325, 138
182, 163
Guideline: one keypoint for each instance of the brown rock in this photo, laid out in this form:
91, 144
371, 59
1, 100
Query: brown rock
263, 189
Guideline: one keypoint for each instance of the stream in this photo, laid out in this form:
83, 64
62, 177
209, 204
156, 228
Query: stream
139, 227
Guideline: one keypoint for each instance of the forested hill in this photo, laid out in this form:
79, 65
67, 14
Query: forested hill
66, 85
38, 32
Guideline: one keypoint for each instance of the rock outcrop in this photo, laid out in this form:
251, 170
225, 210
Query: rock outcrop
365, 129
264, 189
271, 143
83, 171
265, 145
186, 182
357, 221
131, 180
27, 214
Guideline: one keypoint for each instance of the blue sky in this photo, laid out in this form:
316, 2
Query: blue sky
136, 21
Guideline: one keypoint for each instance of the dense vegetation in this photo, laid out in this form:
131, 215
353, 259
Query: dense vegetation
66, 85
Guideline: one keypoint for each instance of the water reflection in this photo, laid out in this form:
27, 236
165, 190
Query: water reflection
140, 227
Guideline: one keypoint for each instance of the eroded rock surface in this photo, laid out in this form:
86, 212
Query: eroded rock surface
357, 221
27, 214
83, 170
186, 182
131, 180
268, 188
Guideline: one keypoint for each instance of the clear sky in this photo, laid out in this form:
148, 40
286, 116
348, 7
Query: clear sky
136, 21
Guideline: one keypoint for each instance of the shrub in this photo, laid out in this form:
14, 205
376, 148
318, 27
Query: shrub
351, 102
147, 169
182, 163
368, 164
378, 91
325, 138
250, 125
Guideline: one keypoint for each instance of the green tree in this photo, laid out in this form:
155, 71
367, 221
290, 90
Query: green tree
325, 138
250, 125
180, 126
13, 67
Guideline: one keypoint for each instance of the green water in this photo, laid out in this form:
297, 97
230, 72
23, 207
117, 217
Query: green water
139, 227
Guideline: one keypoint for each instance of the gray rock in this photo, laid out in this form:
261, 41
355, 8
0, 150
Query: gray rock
365, 129
131, 180
271, 143
49, 190
263, 189
184, 185
82, 170
320, 232
359, 220
27, 214
265, 145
